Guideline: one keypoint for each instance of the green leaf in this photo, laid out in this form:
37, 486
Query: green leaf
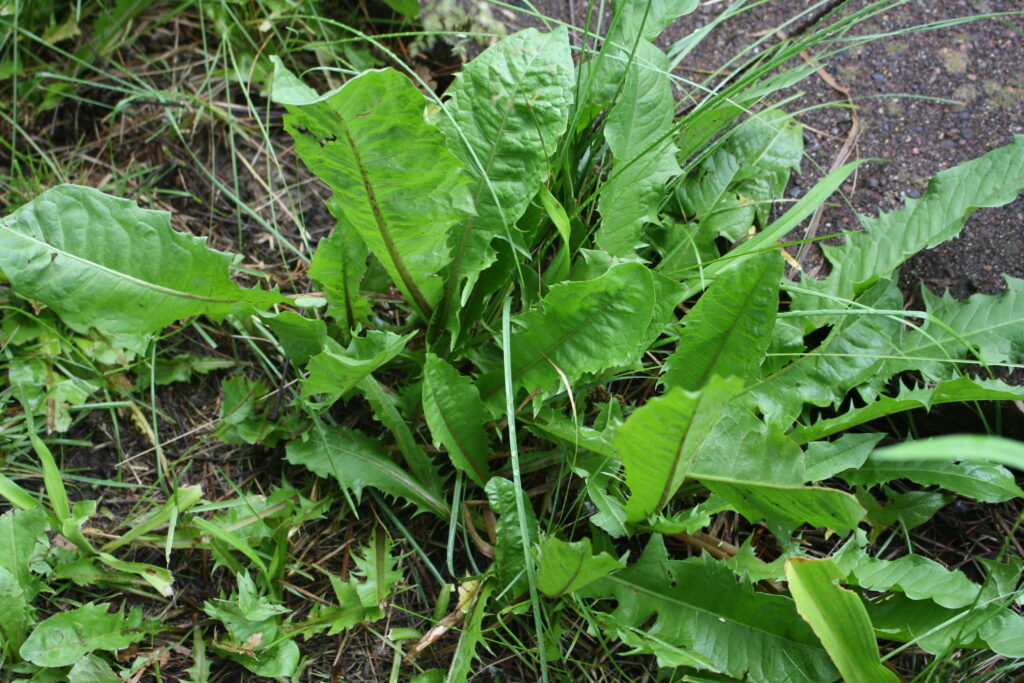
659, 442
728, 331
971, 448
787, 507
632, 21
300, 337
355, 460
564, 567
104, 264
760, 473
850, 355
582, 327
66, 637
961, 389
92, 669
16, 606
509, 561
764, 240
246, 412
743, 175
253, 636
503, 118
376, 570
22, 537
985, 623
181, 368
409, 8
985, 326
339, 265
838, 618
917, 577
364, 596
335, 370
394, 181
824, 459
887, 241
910, 509
647, 18
697, 605
753, 466
473, 596
456, 417
983, 482
44, 390
385, 406
639, 131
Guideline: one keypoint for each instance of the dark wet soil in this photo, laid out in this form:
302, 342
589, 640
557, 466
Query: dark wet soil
926, 100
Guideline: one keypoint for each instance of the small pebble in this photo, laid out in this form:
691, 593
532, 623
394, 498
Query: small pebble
872, 182
878, 78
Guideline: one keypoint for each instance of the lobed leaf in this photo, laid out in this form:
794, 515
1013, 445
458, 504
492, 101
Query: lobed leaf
698, 606
355, 461
950, 391
985, 326
985, 623
335, 370
582, 327
887, 241
849, 356
917, 577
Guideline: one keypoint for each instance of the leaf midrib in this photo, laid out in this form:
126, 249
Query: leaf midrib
663, 597
116, 273
394, 472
